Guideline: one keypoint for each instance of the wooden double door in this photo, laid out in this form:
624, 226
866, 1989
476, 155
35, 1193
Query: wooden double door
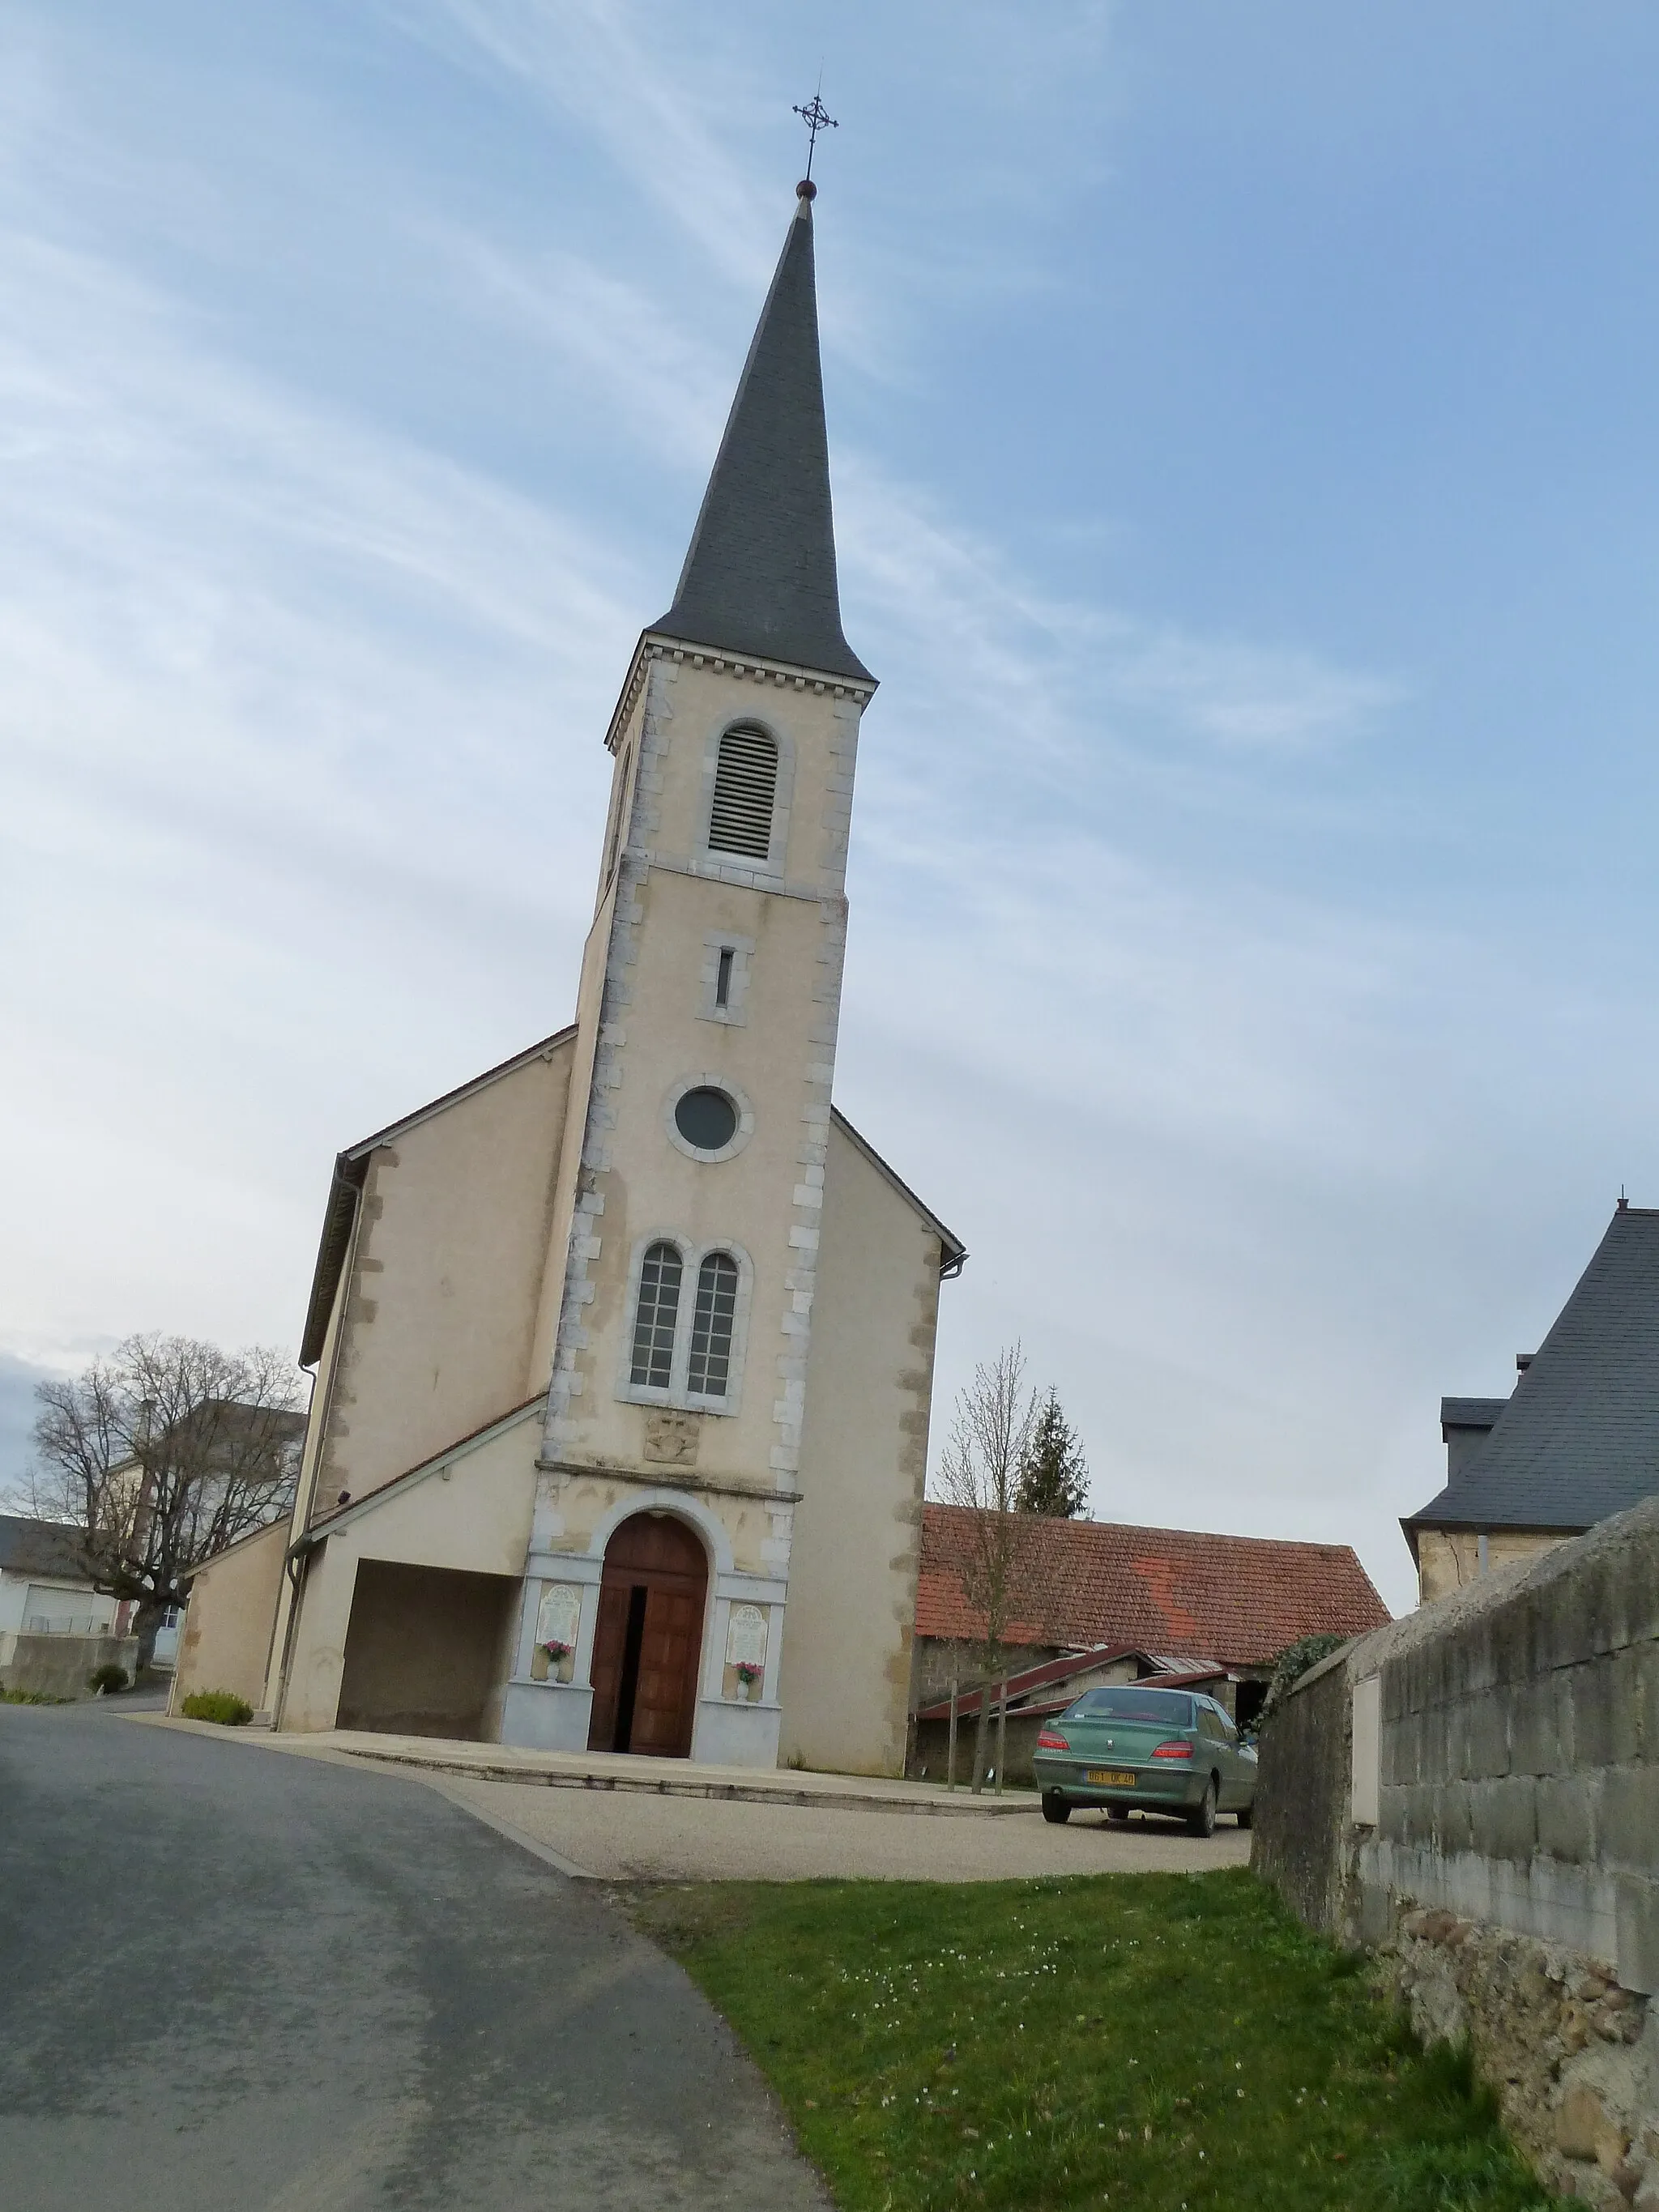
648, 1641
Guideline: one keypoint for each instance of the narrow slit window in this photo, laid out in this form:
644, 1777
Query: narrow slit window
712, 1323
723, 977
745, 793
655, 1317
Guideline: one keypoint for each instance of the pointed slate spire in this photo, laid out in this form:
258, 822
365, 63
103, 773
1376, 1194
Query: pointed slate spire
760, 575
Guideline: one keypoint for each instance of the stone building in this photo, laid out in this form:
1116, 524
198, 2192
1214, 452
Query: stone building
1177, 1598
1576, 1440
624, 1349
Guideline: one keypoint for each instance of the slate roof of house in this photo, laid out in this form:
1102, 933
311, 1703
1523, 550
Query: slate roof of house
760, 573
1470, 1413
1579, 1437
1084, 1582
40, 1547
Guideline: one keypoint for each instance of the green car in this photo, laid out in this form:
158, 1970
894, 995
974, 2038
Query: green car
1165, 1751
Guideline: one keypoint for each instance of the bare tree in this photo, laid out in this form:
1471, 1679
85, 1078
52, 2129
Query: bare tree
980, 1473
160, 1455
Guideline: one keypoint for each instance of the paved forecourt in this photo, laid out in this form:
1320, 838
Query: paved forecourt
658, 1820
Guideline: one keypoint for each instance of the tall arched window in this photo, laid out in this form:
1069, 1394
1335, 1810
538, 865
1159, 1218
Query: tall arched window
745, 793
654, 1318
712, 1322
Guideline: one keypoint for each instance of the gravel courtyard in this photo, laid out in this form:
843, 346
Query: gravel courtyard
636, 1838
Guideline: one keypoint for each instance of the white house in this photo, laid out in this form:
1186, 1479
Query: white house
44, 1589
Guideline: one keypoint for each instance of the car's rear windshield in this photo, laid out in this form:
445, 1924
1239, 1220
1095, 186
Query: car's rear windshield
1170, 1709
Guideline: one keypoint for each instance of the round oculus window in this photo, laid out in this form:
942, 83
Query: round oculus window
707, 1119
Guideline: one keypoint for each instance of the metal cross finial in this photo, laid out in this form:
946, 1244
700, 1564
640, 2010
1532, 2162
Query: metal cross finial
817, 117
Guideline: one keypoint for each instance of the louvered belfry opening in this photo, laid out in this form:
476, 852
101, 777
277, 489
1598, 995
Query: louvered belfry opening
745, 791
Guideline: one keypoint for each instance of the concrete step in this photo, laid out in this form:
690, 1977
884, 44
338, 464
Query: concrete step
673, 1777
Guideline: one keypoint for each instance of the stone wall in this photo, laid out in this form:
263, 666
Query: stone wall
931, 1742
1573, 2054
934, 1659
57, 1666
1448, 1558
1474, 1791
1302, 1799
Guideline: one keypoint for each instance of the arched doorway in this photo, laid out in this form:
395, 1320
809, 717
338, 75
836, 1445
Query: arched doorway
648, 1640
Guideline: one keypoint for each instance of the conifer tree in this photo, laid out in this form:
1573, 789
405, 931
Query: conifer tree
1054, 1478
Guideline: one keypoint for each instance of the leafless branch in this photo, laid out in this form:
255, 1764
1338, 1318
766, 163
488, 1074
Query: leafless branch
979, 1474
162, 1455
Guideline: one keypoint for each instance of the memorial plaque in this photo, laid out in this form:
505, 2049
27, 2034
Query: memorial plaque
561, 1614
746, 1638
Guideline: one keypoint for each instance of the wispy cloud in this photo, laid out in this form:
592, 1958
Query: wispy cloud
239, 806
1245, 697
630, 360
308, 641
648, 96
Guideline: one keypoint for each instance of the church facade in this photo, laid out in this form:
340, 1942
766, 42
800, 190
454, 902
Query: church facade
623, 1352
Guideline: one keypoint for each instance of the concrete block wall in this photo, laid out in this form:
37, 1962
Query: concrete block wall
57, 1666
1494, 1835
1519, 1748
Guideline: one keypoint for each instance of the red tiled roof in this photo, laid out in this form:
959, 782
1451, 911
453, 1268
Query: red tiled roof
1085, 1583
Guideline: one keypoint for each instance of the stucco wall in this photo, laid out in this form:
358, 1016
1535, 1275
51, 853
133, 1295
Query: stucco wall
773, 1048
446, 1275
226, 1639
475, 1518
846, 1673
423, 1648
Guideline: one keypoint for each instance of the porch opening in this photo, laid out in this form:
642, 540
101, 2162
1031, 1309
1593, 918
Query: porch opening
427, 1651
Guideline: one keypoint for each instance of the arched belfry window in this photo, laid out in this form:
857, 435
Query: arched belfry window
655, 1317
745, 793
712, 1319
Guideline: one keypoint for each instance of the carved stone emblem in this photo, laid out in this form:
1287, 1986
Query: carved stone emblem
670, 1439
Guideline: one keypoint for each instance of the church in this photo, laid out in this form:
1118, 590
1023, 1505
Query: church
623, 1351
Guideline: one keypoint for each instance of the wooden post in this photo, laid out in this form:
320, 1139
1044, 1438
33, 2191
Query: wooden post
951, 1755
1002, 1732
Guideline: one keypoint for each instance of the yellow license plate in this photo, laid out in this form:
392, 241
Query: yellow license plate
1108, 1777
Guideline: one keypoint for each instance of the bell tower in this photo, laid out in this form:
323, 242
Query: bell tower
675, 1336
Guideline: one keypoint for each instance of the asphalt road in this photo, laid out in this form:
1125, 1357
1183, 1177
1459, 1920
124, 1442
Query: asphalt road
232, 1982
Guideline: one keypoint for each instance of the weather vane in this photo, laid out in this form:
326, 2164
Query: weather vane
817, 117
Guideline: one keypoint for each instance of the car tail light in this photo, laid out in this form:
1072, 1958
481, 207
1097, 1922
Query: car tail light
1049, 1741
1173, 1749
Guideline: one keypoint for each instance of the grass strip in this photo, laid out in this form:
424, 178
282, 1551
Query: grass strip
1168, 2042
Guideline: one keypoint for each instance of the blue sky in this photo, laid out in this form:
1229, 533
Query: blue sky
1245, 454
